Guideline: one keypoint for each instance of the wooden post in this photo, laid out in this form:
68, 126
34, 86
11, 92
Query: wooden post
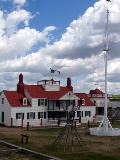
11, 122
88, 124
58, 122
22, 123
22, 139
27, 126
75, 124
41, 122
24, 136
26, 139
93, 119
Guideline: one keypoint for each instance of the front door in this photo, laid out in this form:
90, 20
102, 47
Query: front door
2, 117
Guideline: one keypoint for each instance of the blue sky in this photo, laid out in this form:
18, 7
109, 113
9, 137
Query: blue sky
59, 13
36, 35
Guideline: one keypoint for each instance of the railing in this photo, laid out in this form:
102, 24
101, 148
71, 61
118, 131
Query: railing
99, 95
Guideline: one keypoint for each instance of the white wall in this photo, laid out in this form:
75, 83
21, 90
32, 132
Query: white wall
99, 101
25, 110
84, 119
6, 109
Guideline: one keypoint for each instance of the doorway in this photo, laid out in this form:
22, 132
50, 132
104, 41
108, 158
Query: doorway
2, 117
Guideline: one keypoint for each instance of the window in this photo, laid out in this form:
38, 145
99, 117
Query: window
87, 113
78, 113
31, 115
81, 102
42, 102
2, 100
24, 101
40, 115
19, 115
57, 103
94, 102
72, 102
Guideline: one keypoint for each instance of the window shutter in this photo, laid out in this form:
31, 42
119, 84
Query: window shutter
44, 115
27, 115
89, 113
82, 113
46, 102
38, 102
23, 115
34, 116
38, 115
16, 115
85, 113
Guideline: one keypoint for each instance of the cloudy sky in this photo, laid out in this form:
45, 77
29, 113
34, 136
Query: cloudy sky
67, 35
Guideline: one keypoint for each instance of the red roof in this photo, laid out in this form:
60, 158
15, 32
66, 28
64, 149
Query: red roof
84, 96
15, 99
37, 91
96, 91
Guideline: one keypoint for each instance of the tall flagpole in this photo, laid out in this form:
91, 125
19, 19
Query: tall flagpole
105, 127
106, 50
105, 124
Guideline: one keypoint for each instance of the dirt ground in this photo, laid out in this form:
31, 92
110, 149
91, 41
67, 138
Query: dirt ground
41, 139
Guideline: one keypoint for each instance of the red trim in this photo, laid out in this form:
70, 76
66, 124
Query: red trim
84, 96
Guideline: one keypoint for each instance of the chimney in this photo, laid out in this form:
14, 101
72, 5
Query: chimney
20, 85
69, 84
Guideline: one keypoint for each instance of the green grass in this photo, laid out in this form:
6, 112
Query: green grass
88, 156
41, 140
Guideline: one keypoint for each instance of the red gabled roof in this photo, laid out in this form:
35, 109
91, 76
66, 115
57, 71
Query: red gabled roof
84, 96
96, 91
15, 99
37, 91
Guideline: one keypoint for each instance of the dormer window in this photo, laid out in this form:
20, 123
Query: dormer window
24, 101
81, 102
2, 100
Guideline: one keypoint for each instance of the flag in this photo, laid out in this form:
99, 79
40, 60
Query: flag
53, 71
58, 72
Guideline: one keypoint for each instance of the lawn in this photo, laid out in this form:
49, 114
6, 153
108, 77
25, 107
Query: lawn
41, 140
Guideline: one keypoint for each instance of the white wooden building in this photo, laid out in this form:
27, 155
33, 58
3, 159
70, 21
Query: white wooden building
39, 104
98, 98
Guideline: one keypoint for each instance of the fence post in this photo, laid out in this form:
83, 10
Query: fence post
88, 123
41, 122
27, 126
11, 122
58, 122
22, 123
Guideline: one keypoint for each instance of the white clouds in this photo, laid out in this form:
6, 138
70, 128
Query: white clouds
76, 53
19, 2
10, 22
19, 43
17, 17
16, 41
